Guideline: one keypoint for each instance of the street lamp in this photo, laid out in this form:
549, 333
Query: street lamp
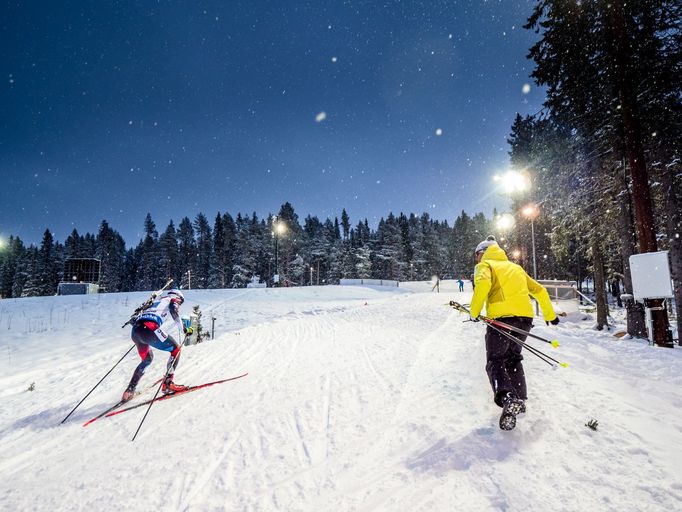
505, 222
514, 181
278, 229
531, 211
311, 275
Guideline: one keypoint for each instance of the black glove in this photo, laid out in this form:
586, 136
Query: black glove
553, 322
474, 319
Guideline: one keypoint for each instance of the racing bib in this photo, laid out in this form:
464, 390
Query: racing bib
161, 334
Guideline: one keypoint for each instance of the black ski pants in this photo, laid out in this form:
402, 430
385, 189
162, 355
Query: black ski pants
503, 356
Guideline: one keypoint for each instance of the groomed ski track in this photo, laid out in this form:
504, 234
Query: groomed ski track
357, 399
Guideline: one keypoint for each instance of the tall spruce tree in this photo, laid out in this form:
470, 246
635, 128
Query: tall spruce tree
187, 252
111, 253
149, 272
11, 258
204, 251
168, 254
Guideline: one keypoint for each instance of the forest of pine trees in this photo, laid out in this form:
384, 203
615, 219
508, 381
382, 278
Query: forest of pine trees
604, 153
229, 253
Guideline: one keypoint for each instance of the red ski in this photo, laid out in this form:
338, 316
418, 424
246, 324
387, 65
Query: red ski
121, 402
166, 397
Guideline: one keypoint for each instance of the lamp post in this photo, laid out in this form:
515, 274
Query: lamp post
278, 229
513, 182
531, 212
311, 275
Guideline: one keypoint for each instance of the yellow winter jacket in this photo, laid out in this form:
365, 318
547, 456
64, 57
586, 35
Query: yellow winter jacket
505, 288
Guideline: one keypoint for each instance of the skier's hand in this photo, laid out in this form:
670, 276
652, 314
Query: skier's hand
189, 330
553, 322
474, 319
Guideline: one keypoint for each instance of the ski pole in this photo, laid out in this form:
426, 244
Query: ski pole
538, 353
554, 343
531, 349
459, 307
168, 370
170, 367
93, 389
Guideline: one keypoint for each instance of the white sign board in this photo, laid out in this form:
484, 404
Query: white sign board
651, 275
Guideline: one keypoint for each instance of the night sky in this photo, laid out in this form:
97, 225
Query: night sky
110, 110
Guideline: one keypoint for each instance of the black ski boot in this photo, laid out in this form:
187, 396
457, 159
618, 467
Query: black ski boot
511, 407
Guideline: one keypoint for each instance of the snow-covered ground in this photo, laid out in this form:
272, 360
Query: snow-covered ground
357, 399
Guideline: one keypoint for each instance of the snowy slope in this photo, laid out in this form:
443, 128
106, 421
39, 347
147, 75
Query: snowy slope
356, 399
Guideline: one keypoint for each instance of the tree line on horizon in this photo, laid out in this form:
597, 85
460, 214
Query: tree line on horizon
232, 251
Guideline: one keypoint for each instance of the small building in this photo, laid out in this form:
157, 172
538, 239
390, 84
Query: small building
81, 276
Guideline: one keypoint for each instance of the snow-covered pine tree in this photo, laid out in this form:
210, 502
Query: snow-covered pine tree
216, 278
46, 270
168, 254
204, 251
27, 280
187, 252
11, 259
111, 253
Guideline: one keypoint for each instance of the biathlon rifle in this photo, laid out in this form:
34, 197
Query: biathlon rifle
139, 309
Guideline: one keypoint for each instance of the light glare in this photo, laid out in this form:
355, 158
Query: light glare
513, 181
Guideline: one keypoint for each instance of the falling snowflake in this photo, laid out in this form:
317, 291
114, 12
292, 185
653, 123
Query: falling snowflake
525, 89
321, 117
439, 131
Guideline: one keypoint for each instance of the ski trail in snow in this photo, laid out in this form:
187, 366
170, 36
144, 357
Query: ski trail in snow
290, 338
369, 481
190, 491
326, 413
356, 400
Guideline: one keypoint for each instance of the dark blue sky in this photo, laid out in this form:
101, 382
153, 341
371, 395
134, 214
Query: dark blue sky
109, 110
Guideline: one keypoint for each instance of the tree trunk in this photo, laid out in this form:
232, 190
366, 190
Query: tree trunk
673, 206
615, 292
634, 151
599, 284
636, 324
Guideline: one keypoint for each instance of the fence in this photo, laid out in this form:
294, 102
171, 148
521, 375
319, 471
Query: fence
369, 282
563, 294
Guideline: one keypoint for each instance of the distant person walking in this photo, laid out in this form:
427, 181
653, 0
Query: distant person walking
461, 284
147, 333
504, 288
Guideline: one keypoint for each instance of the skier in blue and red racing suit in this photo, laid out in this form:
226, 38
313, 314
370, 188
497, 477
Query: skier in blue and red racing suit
147, 333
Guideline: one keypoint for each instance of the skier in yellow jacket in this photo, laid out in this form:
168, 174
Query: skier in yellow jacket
505, 289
